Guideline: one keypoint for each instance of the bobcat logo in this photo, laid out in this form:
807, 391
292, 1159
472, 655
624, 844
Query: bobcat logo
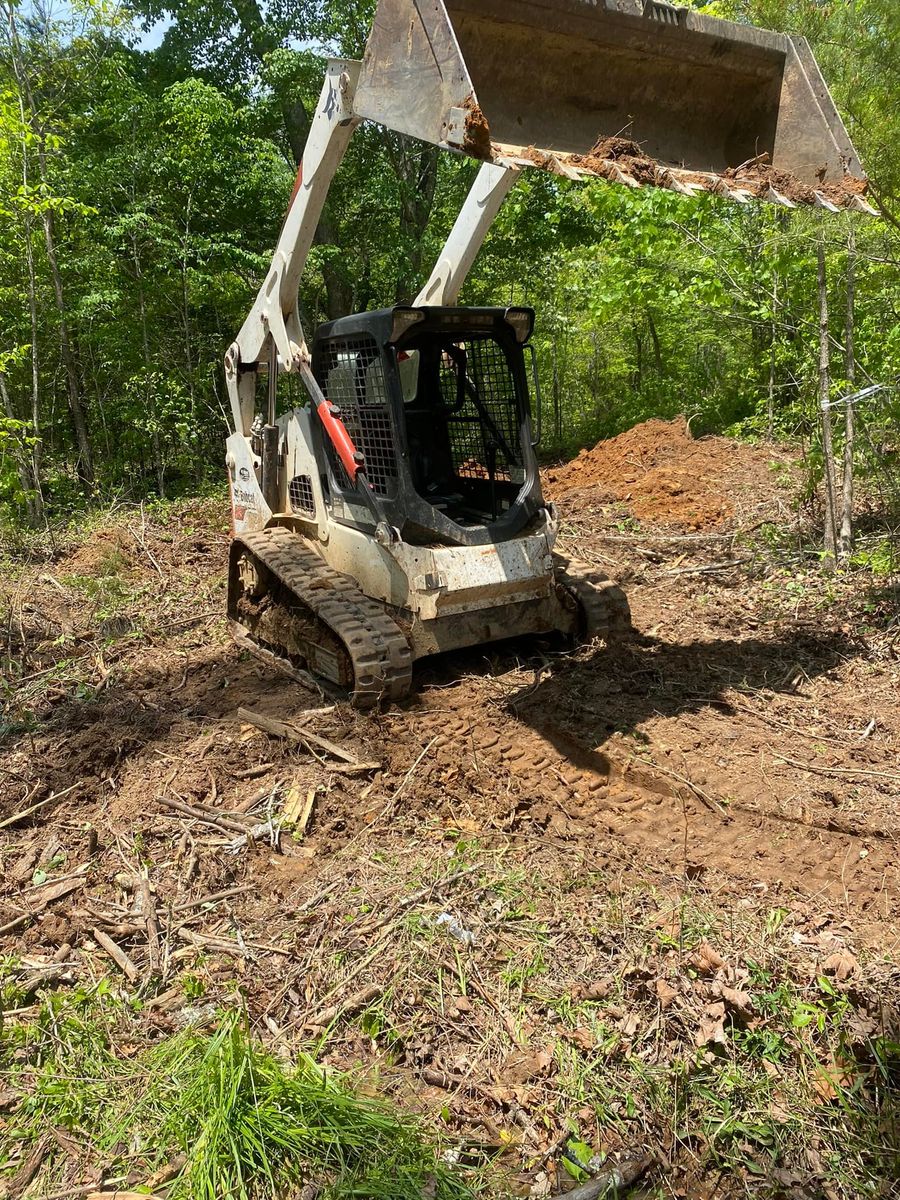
331, 103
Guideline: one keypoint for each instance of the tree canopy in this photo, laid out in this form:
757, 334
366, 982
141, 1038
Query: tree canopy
142, 187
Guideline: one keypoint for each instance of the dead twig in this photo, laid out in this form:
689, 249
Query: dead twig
348, 1007
253, 772
166, 1173
613, 1180
26, 812
215, 897
710, 568
457, 1083
711, 804
146, 549
30, 1167
151, 922
817, 770
224, 946
360, 966
414, 897
117, 954
299, 733
211, 816
15, 923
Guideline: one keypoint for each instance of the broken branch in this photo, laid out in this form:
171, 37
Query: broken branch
296, 733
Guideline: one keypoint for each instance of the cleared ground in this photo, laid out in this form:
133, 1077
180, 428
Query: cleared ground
640, 899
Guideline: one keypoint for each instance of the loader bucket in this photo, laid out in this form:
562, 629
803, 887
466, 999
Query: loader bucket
635, 90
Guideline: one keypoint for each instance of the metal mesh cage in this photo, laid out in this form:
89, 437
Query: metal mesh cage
479, 393
351, 374
300, 494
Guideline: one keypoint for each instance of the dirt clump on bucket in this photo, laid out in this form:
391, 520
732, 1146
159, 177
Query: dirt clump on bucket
478, 133
667, 477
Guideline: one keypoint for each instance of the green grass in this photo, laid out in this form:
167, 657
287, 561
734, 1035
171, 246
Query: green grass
249, 1125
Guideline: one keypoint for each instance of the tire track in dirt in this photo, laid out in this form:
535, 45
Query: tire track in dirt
610, 800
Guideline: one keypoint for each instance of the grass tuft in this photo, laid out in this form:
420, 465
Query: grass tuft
247, 1125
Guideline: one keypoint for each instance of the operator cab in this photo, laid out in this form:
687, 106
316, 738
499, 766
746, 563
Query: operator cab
436, 399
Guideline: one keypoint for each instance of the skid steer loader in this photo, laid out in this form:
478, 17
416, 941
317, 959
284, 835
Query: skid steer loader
396, 511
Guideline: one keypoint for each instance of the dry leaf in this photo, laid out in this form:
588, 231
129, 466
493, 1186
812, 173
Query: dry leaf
665, 993
841, 964
706, 960
631, 1025
712, 1026
592, 991
520, 1067
582, 1038
827, 1081
739, 1002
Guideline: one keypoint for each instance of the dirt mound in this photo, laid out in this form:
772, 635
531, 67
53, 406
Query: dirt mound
669, 478
105, 552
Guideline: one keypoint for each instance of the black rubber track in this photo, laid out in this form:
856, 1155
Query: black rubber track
375, 644
603, 606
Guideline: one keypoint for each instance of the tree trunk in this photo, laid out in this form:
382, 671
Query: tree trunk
825, 412
846, 535
22, 462
73, 389
416, 169
85, 465
194, 434
657, 349
151, 389
557, 413
32, 284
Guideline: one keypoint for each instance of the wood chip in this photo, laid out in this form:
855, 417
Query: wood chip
48, 893
297, 810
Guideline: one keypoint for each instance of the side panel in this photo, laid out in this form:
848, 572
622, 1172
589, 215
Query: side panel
249, 510
303, 495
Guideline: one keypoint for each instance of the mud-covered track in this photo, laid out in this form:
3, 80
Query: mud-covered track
378, 652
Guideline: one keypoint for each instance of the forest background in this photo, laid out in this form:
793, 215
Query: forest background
144, 177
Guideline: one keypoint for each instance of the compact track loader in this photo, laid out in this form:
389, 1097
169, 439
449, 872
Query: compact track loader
396, 511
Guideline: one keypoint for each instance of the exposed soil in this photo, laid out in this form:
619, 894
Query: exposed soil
478, 133
757, 177
739, 752
669, 478
627, 154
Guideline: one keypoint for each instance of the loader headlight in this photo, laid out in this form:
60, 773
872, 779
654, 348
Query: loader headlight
522, 322
404, 319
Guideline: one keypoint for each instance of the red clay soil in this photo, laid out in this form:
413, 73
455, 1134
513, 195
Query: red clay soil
478, 133
665, 475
